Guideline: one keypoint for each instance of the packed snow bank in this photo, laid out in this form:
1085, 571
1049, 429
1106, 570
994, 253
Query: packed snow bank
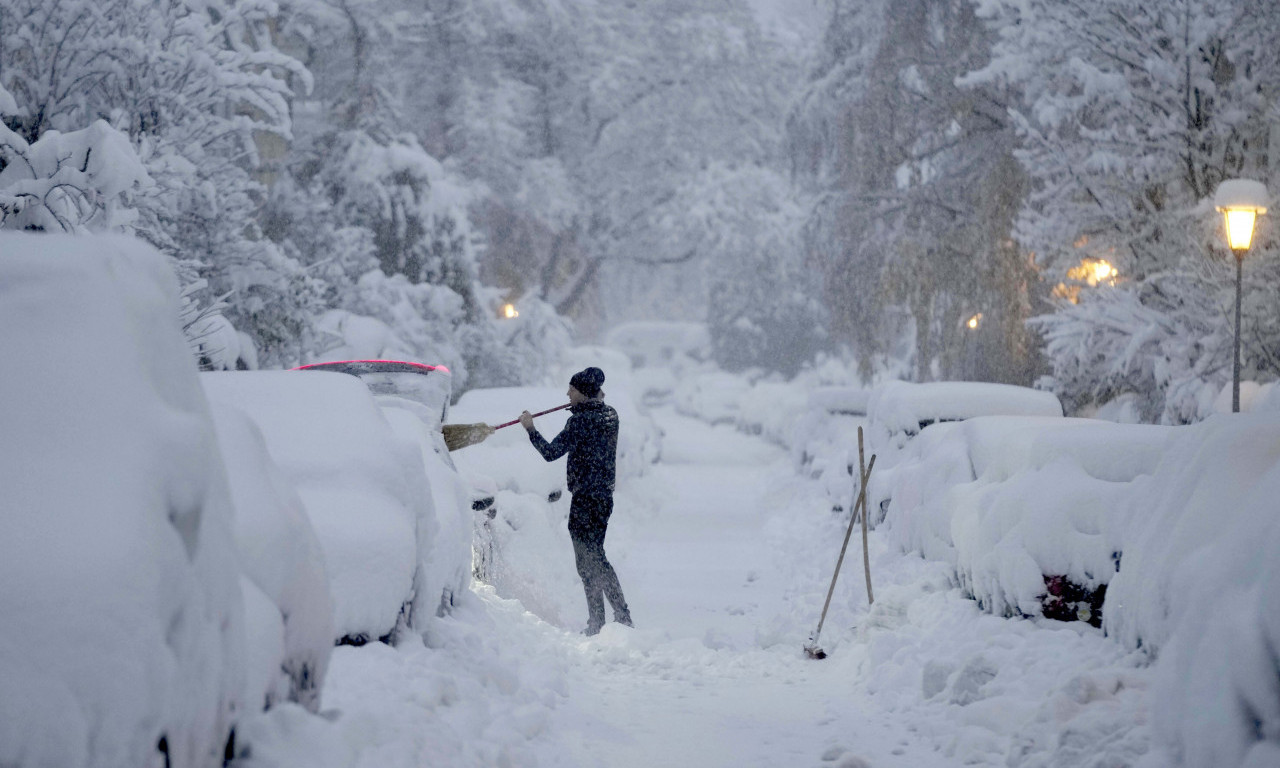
283, 561
362, 487
119, 586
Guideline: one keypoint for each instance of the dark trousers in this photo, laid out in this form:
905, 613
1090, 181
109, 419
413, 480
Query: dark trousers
588, 523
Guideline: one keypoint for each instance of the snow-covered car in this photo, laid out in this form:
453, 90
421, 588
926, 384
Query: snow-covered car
122, 636
288, 607
414, 398
362, 486
897, 411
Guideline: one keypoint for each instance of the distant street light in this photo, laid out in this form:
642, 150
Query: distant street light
509, 311
974, 322
1241, 202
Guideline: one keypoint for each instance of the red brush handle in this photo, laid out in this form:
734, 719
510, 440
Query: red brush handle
536, 415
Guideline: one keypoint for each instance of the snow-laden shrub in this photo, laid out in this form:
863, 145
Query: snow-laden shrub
362, 487
123, 627
68, 182
284, 565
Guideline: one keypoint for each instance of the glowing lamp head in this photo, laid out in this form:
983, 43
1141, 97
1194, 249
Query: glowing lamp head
509, 311
973, 322
1240, 201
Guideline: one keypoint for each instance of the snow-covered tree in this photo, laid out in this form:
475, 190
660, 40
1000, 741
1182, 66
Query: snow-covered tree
911, 178
197, 88
1132, 113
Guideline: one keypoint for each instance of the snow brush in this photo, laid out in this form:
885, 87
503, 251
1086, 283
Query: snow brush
812, 649
461, 435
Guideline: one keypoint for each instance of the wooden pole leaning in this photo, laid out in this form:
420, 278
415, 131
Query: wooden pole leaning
812, 650
865, 472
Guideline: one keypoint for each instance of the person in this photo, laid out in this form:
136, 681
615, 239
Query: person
591, 440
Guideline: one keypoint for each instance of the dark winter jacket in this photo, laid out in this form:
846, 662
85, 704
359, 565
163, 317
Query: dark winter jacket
591, 440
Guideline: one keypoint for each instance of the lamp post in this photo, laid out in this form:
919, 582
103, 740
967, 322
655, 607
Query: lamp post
1241, 201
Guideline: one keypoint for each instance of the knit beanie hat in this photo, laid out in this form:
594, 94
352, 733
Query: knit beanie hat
588, 381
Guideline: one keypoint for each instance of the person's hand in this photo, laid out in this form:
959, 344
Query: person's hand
526, 420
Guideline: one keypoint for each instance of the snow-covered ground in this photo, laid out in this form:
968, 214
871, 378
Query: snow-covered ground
725, 556
167, 578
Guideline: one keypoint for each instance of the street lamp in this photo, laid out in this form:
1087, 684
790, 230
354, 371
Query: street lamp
1241, 201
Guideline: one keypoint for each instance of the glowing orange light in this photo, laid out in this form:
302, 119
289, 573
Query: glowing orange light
974, 322
509, 311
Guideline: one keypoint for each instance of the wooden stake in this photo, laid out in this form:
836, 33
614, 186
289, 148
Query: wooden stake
812, 649
865, 473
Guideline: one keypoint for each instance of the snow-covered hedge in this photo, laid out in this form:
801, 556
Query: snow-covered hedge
123, 622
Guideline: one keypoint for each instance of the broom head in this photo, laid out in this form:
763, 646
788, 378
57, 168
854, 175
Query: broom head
461, 435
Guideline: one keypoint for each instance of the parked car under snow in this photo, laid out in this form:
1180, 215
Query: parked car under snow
897, 411
388, 511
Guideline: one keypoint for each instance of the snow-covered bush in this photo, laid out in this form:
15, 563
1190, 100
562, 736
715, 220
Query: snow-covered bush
123, 631
291, 633
362, 487
68, 182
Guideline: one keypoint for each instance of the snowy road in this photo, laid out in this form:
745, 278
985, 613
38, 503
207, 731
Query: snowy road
725, 556
692, 685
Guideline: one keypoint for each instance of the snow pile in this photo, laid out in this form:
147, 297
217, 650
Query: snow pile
290, 611
119, 588
362, 487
